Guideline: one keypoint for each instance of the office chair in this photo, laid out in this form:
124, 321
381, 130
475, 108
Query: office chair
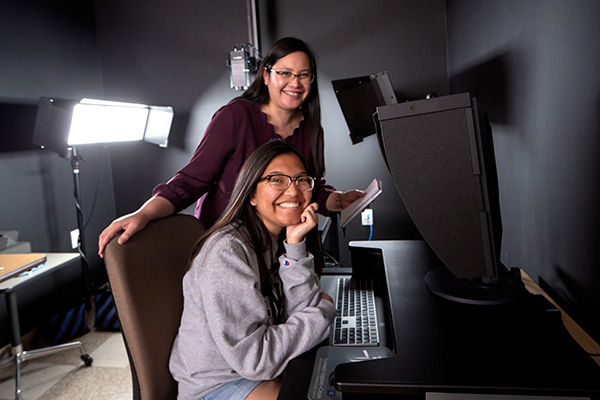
145, 275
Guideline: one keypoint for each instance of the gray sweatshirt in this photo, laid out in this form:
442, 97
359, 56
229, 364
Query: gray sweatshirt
226, 332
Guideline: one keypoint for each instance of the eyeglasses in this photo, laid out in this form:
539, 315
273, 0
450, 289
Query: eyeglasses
304, 77
282, 182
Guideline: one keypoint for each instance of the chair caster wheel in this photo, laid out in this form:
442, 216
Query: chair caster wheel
87, 360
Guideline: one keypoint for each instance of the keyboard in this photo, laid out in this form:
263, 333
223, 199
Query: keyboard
356, 320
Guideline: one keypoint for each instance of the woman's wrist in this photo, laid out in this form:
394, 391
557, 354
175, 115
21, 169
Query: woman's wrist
334, 201
295, 251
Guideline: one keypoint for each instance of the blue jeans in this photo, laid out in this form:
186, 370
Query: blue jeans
236, 390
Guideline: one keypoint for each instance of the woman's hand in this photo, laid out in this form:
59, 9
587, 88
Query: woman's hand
156, 207
308, 220
129, 224
325, 296
337, 201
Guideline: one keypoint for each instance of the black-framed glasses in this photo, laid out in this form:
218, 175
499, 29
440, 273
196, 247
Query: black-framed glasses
282, 182
304, 77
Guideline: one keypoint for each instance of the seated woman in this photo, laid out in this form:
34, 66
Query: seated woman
252, 300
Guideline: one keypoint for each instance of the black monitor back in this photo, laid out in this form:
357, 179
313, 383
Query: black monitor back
359, 97
441, 157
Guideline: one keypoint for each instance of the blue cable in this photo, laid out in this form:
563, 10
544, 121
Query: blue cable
31, 270
371, 233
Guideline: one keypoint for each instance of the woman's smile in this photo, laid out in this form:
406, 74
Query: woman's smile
280, 208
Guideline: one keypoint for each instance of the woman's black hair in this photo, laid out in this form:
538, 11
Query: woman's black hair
311, 108
239, 211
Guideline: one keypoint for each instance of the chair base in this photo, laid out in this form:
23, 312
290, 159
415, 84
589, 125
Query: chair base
19, 356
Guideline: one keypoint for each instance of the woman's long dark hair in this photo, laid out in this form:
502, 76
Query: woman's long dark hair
311, 108
240, 211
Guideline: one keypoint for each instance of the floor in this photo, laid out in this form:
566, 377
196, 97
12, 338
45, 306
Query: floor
64, 376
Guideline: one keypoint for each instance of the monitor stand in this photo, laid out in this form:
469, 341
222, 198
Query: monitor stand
443, 283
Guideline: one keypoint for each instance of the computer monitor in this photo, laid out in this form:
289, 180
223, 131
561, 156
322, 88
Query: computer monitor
440, 154
359, 97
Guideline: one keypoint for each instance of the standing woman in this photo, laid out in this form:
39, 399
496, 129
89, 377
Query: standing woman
282, 102
251, 296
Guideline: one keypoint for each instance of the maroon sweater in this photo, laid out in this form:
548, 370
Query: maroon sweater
234, 132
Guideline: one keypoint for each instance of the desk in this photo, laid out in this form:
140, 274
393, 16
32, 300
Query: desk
442, 346
54, 261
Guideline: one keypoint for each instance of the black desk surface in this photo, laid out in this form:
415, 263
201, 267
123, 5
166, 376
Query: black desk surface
441, 346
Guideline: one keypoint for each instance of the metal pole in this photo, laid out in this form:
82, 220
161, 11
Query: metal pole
75, 159
253, 26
